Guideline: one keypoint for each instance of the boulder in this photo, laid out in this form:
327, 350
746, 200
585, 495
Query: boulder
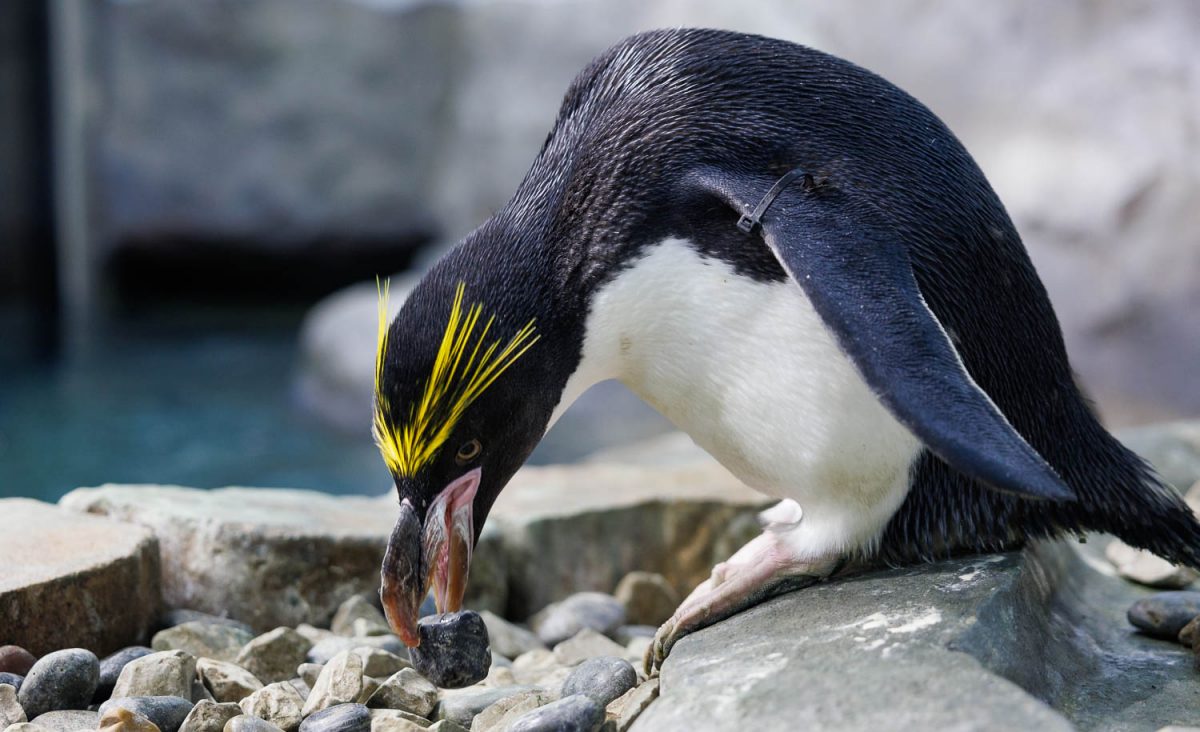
73, 580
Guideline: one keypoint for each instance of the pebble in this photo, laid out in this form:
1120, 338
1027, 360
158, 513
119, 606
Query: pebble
209, 716
25, 727
380, 663
203, 639
111, 667
327, 648
647, 597
498, 660
1145, 568
179, 616
508, 639
16, 660
635, 701
628, 633
10, 709
166, 673
499, 676
340, 682
341, 718
447, 726
313, 633
67, 720
227, 682
309, 672
370, 686
1188, 633
303, 689
274, 656
461, 707
454, 649
386, 717
120, 719
64, 679
358, 608
168, 712
576, 713
601, 679
1164, 614
407, 690
278, 703
395, 724
246, 723
12, 680
595, 610
586, 644
503, 713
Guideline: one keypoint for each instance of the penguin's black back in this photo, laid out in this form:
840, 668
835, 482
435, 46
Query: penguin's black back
607, 184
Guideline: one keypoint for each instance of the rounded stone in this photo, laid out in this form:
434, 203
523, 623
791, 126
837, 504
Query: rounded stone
168, 712
274, 656
12, 680
67, 720
246, 723
120, 719
202, 639
454, 650
209, 716
16, 660
601, 679
583, 610
10, 711
341, 718
61, 680
576, 713
111, 667
1164, 614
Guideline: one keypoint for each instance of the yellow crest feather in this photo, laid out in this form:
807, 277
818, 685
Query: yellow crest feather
462, 370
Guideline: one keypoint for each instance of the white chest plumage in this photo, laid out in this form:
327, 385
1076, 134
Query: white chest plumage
749, 370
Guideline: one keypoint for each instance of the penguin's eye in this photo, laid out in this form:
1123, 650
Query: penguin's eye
468, 452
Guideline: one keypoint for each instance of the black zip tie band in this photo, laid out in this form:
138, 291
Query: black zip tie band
747, 222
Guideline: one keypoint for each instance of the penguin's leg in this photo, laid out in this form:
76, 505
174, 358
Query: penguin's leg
775, 562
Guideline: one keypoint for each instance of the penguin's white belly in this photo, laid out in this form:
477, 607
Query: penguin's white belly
750, 371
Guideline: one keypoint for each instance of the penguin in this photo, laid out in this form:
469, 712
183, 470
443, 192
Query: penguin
800, 266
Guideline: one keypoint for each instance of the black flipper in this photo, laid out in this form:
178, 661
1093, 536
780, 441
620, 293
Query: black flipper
856, 272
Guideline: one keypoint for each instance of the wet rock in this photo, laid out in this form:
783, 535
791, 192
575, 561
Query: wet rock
454, 649
71, 580
227, 682
592, 610
576, 713
380, 663
407, 690
625, 709
586, 644
61, 680
16, 660
340, 682
1145, 568
246, 723
209, 716
1164, 614
274, 656
166, 673
120, 719
461, 707
68, 720
179, 616
111, 667
647, 597
508, 639
386, 717
279, 703
503, 713
12, 680
601, 679
10, 709
203, 640
168, 712
340, 718
359, 608
327, 648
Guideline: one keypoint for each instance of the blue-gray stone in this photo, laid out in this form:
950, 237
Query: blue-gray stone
168, 712
12, 680
61, 680
1164, 614
596, 610
454, 650
601, 679
111, 667
340, 718
576, 713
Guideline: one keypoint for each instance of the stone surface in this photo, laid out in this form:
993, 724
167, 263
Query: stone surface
508, 639
446, 725
279, 703
16, 660
12, 680
647, 597
628, 707
1164, 614
397, 724
1190, 632
380, 663
406, 690
68, 720
340, 682
309, 672
1173, 448
592, 610
227, 682
64, 679
168, 712
576, 713
72, 580
179, 616
503, 713
330, 646
359, 608
601, 679
166, 673
203, 640
10, 709
111, 667
1148, 569
462, 706
120, 719
454, 649
209, 716
586, 644
340, 718
275, 655
246, 723
385, 718
25, 727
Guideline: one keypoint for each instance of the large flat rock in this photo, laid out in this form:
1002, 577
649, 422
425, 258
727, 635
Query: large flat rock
74, 581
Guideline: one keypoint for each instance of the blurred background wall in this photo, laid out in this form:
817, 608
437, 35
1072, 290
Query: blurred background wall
256, 152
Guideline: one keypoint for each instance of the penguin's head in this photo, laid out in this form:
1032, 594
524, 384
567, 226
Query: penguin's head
462, 397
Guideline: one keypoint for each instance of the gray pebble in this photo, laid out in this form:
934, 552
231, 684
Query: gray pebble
576, 713
341, 718
508, 639
627, 633
1164, 614
328, 647
601, 679
454, 649
60, 680
179, 616
593, 610
218, 641
111, 667
209, 716
461, 708
12, 680
246, 723
168, 712
68, 720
